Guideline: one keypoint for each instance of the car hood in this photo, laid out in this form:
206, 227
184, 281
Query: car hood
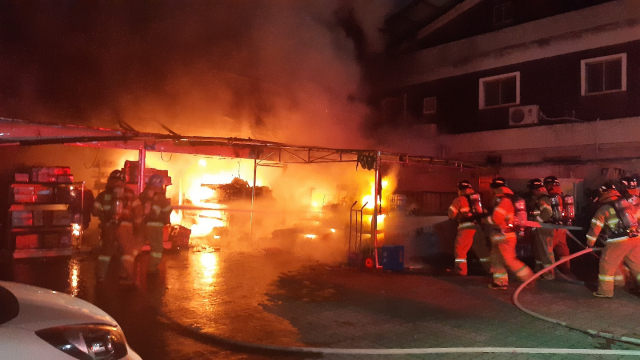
42, 308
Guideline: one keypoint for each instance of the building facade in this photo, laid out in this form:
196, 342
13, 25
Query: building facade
531, 88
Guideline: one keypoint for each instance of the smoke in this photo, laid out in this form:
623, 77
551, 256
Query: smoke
287, 71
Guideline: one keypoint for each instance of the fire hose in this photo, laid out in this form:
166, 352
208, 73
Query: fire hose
197, 334
555, 321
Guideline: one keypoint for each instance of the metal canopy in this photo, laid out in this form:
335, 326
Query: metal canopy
265, 153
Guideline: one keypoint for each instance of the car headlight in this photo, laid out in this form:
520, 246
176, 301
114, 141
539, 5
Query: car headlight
87, 341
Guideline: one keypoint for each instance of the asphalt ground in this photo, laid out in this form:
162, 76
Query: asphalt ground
209, 304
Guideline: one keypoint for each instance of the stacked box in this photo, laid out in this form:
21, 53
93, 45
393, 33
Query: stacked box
21, 177
21, 218
131, 172
44, 195
66, 179
38, 217
50, 240
60, 218
28, 241
50, 174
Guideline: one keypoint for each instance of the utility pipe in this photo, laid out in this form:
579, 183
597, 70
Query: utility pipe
142, 159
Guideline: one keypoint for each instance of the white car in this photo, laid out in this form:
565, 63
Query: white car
37, 323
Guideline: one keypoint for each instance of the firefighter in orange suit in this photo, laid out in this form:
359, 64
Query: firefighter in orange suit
540, 210
617, 219
156, 214
113, 207
467, 210
629, 190
503, 237
559, 246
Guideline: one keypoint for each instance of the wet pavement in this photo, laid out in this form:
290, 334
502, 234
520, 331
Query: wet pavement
275, 298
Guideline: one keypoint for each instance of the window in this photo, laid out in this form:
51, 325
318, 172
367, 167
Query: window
429, 105
500, 90
604, 74
502, 13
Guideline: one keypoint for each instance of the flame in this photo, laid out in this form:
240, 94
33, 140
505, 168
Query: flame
388, 185
200, 194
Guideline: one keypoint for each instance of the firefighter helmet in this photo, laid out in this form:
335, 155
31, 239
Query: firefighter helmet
608, 192
156, 180
551, 181
535, 184
498, 183
628, 182
464, 184
117, 175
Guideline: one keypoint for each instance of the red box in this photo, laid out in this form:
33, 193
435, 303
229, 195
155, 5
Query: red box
60, 170
24, 198
24, 189
65, 179
21, 218
46, 178
21, 177
29, 241
179, 235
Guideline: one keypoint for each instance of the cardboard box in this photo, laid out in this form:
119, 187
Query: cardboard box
24, 198
29, 241
21, 218
61, 218
67, 179
38, 218
47, 178
55, 240
35, 173
21, 177
50, 240
19, 189
59, 170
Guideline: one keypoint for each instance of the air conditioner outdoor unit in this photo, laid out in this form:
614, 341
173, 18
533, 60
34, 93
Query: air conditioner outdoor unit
524, 115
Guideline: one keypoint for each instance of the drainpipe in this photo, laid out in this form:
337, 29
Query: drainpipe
142, 158
374, 221
253, 193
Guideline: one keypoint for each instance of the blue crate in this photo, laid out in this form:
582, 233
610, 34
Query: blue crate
392, 257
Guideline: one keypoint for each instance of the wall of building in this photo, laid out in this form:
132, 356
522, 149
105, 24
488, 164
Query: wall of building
598, 26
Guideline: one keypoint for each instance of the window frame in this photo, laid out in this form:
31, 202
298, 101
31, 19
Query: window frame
502, 8
583, 73
435, 105
481, 94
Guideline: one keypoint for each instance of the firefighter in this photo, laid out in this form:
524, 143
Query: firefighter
113, 207
539, 208
503, 237
617, 219
629, 190
559, 249
156, 210
467, 210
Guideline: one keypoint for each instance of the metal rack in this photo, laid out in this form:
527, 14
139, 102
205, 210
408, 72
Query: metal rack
43, 227
355, 256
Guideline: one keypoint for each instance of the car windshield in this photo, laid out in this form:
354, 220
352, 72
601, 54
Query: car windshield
8, 305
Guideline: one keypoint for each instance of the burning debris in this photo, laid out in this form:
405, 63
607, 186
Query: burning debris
236, 190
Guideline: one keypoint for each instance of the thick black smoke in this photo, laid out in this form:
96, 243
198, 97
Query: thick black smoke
276, 70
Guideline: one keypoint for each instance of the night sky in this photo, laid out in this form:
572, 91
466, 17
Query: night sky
276, 70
